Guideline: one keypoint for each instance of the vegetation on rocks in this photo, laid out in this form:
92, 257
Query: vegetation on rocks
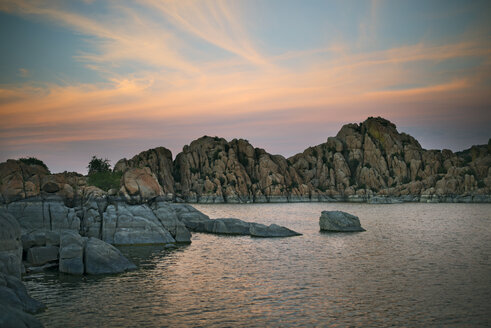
33, 161
105, 180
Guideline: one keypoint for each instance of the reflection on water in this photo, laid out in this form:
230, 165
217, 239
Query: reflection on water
416, 265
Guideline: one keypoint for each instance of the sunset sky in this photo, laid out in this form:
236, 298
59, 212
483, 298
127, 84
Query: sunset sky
113, 78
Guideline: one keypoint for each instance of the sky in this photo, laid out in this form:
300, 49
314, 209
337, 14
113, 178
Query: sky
114, 78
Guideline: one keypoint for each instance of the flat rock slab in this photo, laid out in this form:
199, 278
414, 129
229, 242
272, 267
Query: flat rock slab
338, 221
273, 230
233, 226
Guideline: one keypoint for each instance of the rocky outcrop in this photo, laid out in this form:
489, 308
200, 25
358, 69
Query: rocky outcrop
338, 221
366, 162
363, 161
15, 303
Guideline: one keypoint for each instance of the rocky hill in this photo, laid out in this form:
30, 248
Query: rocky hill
366, 162
363, 162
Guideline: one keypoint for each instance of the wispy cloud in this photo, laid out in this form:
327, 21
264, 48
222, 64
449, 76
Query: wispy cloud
167, 82
23, 72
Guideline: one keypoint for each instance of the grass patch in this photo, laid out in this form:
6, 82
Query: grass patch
105, 180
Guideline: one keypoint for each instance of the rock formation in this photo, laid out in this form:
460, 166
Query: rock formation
16, 306
367, 162
338, 221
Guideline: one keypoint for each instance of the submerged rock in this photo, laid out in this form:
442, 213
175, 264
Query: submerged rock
338, 221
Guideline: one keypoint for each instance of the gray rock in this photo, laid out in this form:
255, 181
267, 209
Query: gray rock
232, 226
103, 258
11, 317
71, 253
228, 226
128, 225
10, 245
40, 238
169, 219
37, 214
42, 254
261, 230
191, 217
14, 291
338, 221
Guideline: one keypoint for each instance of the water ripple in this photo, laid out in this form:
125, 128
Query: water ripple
416, 265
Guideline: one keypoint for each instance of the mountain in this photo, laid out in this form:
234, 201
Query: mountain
366, 162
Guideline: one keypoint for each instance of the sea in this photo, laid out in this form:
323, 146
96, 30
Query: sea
416, 265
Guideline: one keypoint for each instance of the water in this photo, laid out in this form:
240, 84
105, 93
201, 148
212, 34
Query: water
416, 265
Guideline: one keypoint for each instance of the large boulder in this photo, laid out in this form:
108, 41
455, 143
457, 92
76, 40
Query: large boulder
159, 160
140, 185
103, 258
19, 180
71, 253
338, 221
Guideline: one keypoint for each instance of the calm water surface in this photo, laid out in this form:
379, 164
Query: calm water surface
416, 265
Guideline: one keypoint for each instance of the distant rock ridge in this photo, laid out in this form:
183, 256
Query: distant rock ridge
367, 162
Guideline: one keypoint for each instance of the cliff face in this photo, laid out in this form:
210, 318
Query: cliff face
363, 162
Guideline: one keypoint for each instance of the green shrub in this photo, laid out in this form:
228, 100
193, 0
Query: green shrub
105, 180
481, 184
33, 161
98, 165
